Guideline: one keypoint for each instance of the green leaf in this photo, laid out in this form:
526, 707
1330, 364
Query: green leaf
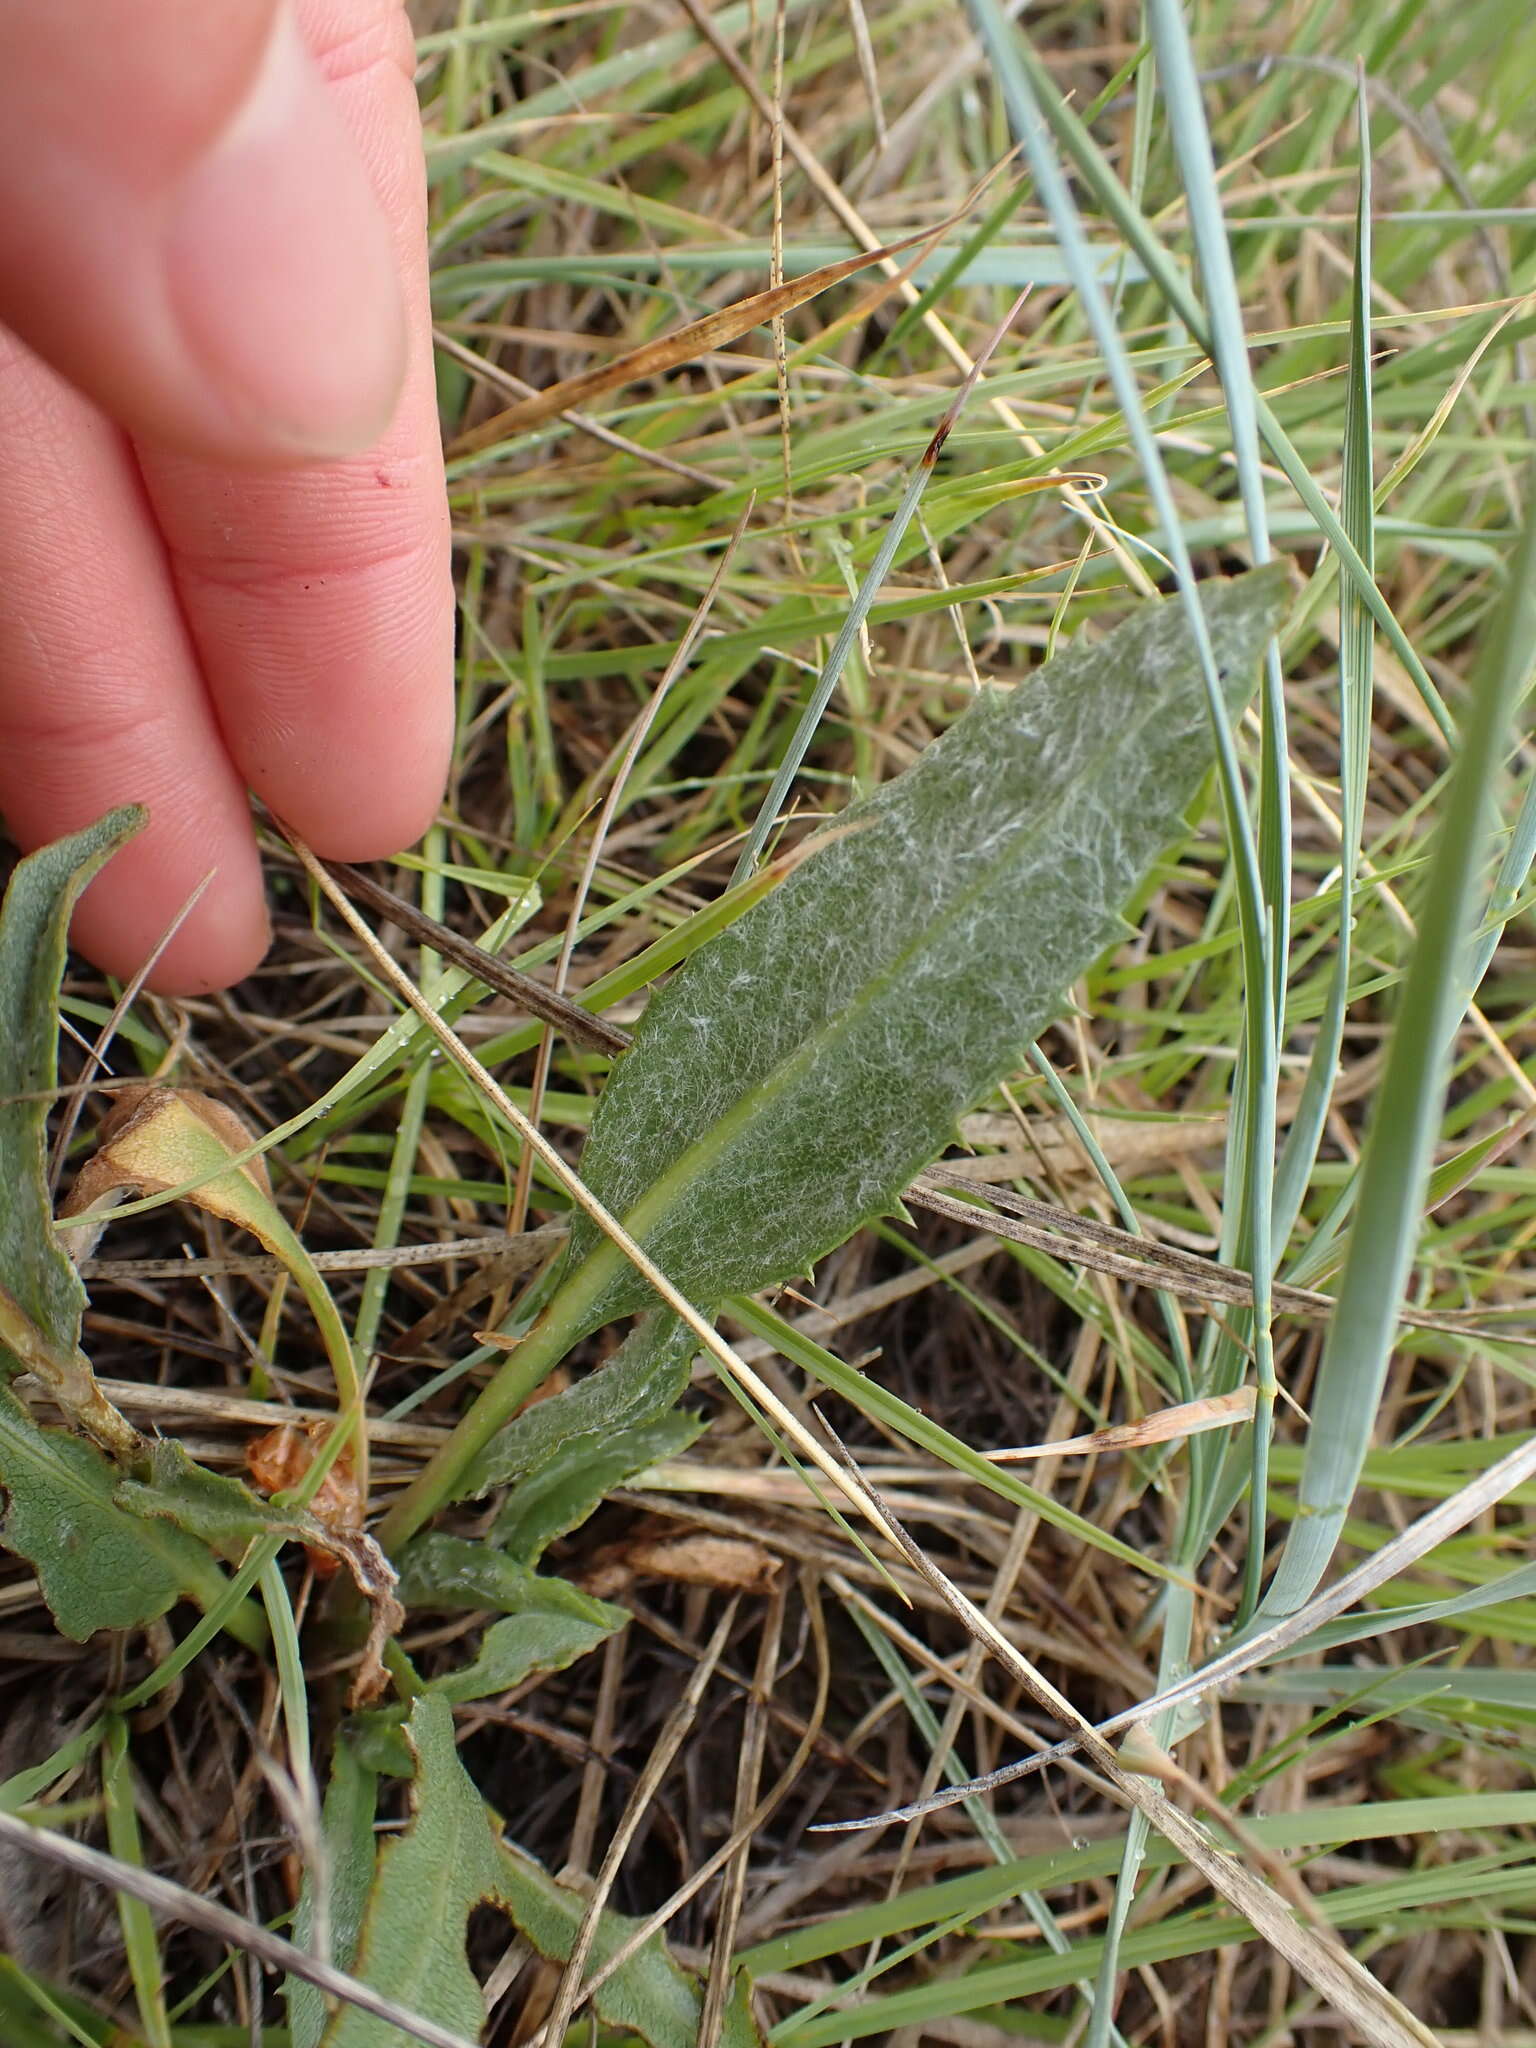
579, 1477
449, 1571
797, 1072
141, 1942
351, 1855
1395, 1164
98, 1567
221, 1511
643, 1380
543, 1639
650, 1995
411, 1943
548, 1623
451, 1859
34, 929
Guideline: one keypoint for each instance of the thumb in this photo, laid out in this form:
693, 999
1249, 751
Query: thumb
186, 231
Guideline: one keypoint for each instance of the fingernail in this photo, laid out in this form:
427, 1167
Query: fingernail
280, 271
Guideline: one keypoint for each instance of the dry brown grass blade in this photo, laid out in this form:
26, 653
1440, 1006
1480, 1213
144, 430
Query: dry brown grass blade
637, 737
1321, 1959
1447, 1518
715, 330
1220, 1411
530, 995
1144, 1261
520, 1249
740, 1835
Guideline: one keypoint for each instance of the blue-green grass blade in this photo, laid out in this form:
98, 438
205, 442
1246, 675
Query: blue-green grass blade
1395, 1167
1078, 146
1356, 662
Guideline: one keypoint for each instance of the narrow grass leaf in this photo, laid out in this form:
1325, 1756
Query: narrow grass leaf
714, 331
1091, 166
1395, 1168
1517, 1585
1357, 511
853, 624
141, 1940
334, 1897
787, 1084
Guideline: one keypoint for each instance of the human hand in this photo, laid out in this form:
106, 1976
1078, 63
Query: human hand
223, 527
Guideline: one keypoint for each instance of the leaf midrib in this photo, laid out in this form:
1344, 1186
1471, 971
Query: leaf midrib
664, 1192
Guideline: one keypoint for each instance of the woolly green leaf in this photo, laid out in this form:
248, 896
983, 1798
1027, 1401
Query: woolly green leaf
439, 1570
98, 1567
34, 929
798, 1071
650, 1995
411, 1943
580, 1476
222, 1511
644, 1379
522, 1645
548, 1624
427, 1881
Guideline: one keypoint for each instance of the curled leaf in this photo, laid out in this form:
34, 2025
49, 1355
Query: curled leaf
157, 1139
66, 1375
228, 1517
152, 1140
726, 1564
278, 1462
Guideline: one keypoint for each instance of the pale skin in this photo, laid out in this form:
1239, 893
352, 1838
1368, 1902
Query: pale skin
223, 527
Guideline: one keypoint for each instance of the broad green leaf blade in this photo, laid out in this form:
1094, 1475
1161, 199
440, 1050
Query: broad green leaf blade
222, 1511
795, 1075
548, 1624
645, 1379
34, 930
429, 1880
580, 1476
351, 1853
546, 1638
650, 1996
98, 1566
448, 1571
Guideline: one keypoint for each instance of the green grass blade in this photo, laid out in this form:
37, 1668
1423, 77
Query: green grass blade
141, 1940
1078, 146
1357, 511
1395, 1167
